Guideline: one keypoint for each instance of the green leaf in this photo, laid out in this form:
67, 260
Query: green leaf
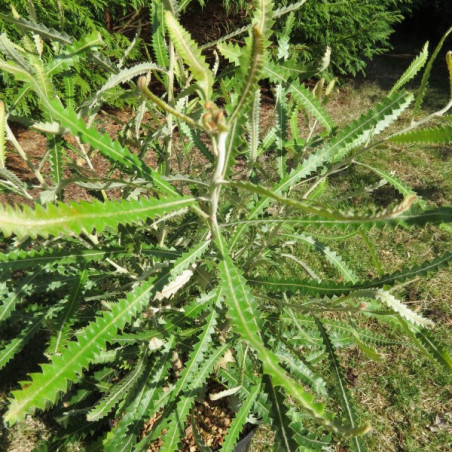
301, 95
73, 52
158, 34
63, 321
118, 391
351, 137
279, 419
242, 309
15, 345
75, 218
190, 53
414, 217
149, 391
399, 185
10, 52
330, 255
417, 64
428, 345
45, 387
330, 288
176, 420
341, 386
239, 421
436, 135
248, 85
20, 290
426, 76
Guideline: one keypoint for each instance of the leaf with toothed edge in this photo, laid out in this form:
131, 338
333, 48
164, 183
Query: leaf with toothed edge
191, 54
118, 391
239, 421
242, 309
436, 135
55, 378
372, 123
330, 288
424, 340
74, 218
341, 386
151, 388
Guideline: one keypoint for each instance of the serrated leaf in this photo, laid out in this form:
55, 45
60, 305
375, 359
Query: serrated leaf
429, 346
330, 288
73, 52
426, 76
248, 85
150, 389
75, 218
190, 53
62, 323
351, 137
19, 291
436, 135
15, 345
45, 387
239, 421
332, 257
118, 391
341, 386
417, 64
278, 414
176, 420
303, 96
391, 301
125, 75
244, 314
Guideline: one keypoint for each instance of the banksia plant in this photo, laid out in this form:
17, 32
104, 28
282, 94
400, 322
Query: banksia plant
193, 270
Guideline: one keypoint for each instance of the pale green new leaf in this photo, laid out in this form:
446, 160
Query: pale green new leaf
395, 304
426, 76
190, 53
125, 75
75, 218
